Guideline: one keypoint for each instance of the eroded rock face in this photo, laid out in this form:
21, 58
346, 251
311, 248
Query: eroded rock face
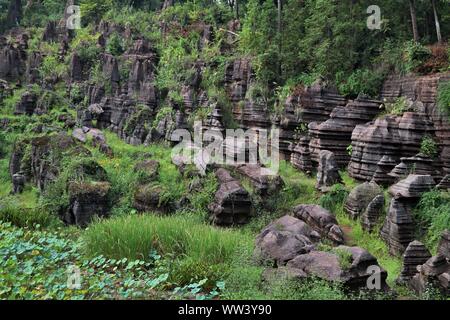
327, 266
18, 181
415, 254
335, 133
12, 63
301, 156
424, 90
40, 158
395, 137
147, 198
283, 240
149, 169
360, 197
372, 213
398, 228
232, 203
27, 104
444, 244
445, 183
328, 171
263, 179
412, 187
87, 200
320, 220
435, 273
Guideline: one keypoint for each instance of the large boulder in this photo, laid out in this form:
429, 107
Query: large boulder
232, 204
415, 254
283, 240
320, 220
353, 273
412, 187
398, 228
435, 273
373, 213
301, 156
18, 181
149, 198
328, 171
265, 181
87, 200
360, 197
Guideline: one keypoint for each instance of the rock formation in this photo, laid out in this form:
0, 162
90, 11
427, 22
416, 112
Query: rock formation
328, 171
301, 156
232, 205
264, 180
87, 200
412, 187
398, 228
415, 254
335, 133
283, 240
328, 266
360, 197
320, 220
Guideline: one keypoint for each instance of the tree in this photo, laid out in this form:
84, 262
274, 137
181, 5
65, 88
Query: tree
412, 9
436, 21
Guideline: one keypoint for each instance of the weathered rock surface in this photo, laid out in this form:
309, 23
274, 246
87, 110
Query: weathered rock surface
283, 240
264, 180
373, 213
424, 89
18, 181
327, 266
328, 171
412, 187
301, 156
415, 254
335, 133
40, 158
391, 136
398, 228
149, 170
27, 104
444, 244
445, 183
320, 220
87, 200
148, 198
435, 273
360, 197
232, 203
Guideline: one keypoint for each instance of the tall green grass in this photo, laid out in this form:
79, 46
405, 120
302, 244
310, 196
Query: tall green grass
195, 249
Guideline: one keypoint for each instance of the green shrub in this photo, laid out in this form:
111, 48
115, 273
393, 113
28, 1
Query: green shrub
415, 55
444, 98
398, 107
361, 81
52, 68
114, 45
433, 215
345, 258
429, 147
335, 198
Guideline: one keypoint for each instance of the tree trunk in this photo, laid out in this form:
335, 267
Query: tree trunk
436, 21
236, 3
279, 30
414, 20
